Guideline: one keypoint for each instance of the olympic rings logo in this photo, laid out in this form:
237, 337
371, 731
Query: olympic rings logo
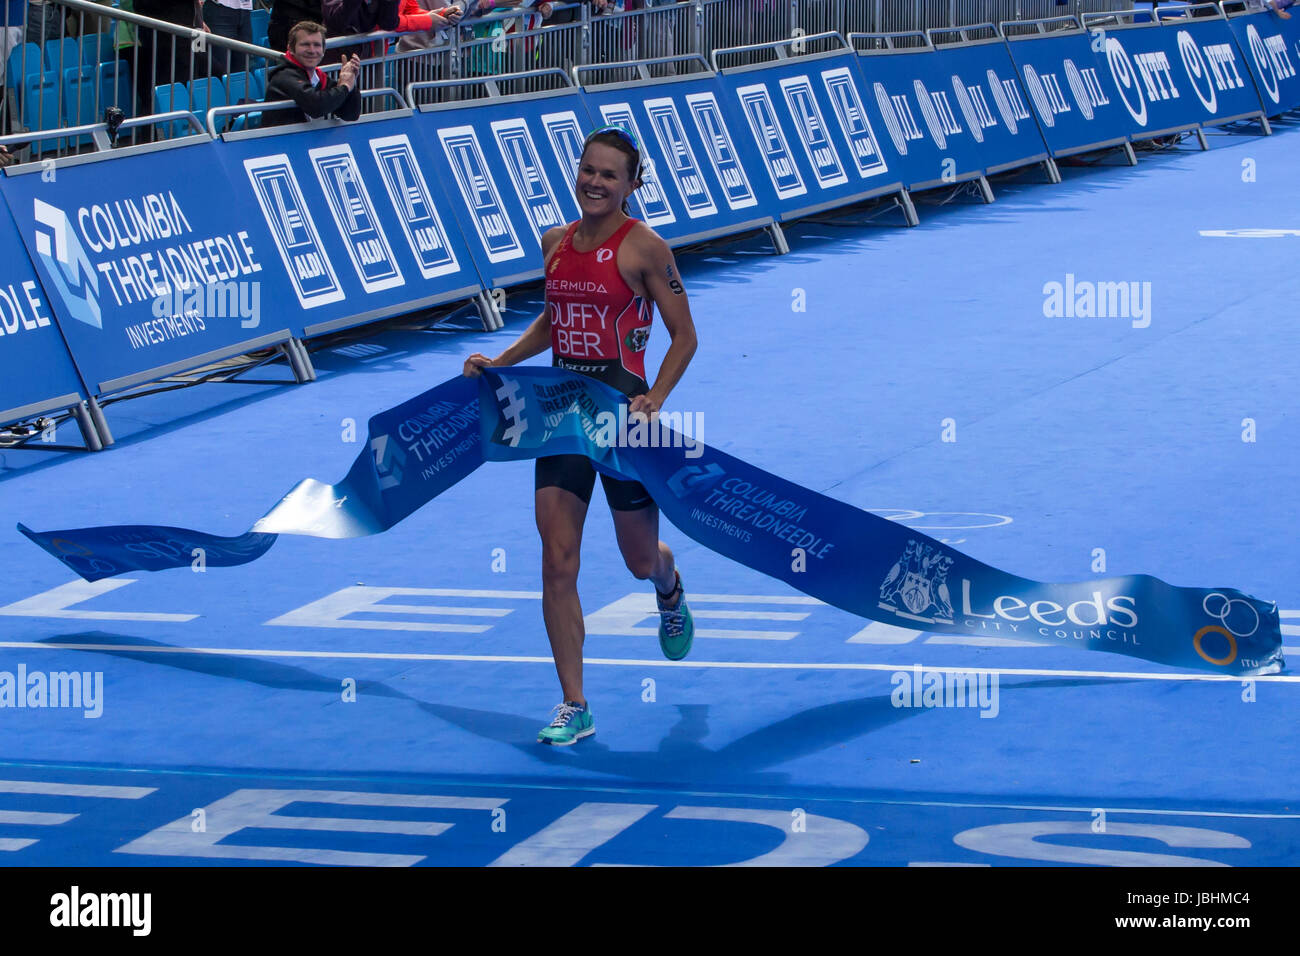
942, 520
1220, 607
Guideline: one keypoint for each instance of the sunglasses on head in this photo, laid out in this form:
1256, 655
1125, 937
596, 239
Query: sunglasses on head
622, 133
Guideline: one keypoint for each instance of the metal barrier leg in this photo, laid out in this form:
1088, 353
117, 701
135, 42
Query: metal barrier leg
295, 362
305, 358
904, 200
1130, 155
489, 313
1200, 138
88, 433
777, 235
1263, 121
1053, 171
100, 423
985, 189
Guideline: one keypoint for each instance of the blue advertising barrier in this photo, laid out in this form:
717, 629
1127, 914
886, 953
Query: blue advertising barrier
145, 273
815, 141
355, 226
36, 371
699, 181
1091, 115
1271, 48
1178, 73
507, 167
954, 113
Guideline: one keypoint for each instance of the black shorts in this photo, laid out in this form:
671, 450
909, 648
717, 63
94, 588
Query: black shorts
575, 473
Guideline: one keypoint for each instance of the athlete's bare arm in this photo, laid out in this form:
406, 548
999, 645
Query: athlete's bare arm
537, 337
651, 262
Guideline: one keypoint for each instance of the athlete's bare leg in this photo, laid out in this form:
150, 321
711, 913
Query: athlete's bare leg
560, 517
645, 555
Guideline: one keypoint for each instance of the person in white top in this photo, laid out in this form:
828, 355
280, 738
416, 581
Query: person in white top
232, 19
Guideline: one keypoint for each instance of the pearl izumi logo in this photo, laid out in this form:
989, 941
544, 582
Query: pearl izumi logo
75, 908
916, 587
67, 264
1082, 299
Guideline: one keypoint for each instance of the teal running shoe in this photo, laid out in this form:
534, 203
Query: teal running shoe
572, 722
676, 626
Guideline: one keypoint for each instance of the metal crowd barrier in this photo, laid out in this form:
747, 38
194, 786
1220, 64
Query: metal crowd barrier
96, 58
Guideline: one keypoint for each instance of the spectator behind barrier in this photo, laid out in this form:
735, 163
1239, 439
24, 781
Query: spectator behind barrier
425, 23
284, 14
164, 58
232, 19
355, 17
302, 80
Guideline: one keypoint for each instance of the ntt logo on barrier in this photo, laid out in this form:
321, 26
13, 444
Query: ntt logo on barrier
67, 264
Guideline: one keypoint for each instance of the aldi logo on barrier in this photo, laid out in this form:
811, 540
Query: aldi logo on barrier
281, 199
478, 189
530, 181
565, 133
67, 264
354, 214
853, 122
650, 196
667, 124
413, 202
757, 105
722, 151
813, 132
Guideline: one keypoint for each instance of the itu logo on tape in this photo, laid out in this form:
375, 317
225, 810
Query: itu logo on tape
67, 264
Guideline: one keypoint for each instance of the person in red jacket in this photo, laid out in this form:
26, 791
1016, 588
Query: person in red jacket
425, 16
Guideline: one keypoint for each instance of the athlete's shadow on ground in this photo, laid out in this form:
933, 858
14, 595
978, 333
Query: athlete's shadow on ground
681, 757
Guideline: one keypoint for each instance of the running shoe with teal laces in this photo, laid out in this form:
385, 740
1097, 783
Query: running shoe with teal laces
572, 722
676, 626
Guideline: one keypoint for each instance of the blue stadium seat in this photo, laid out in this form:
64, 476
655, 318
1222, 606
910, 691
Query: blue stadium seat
247, 121
41, 102
261, 20
115, 87
25, 58
79, 107
168, 97
257, 91
91, 47
61, 54
204, 94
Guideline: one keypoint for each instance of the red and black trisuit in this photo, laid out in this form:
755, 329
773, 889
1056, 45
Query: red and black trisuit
599, 328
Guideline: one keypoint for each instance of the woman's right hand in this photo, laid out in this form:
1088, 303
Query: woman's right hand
475, 363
